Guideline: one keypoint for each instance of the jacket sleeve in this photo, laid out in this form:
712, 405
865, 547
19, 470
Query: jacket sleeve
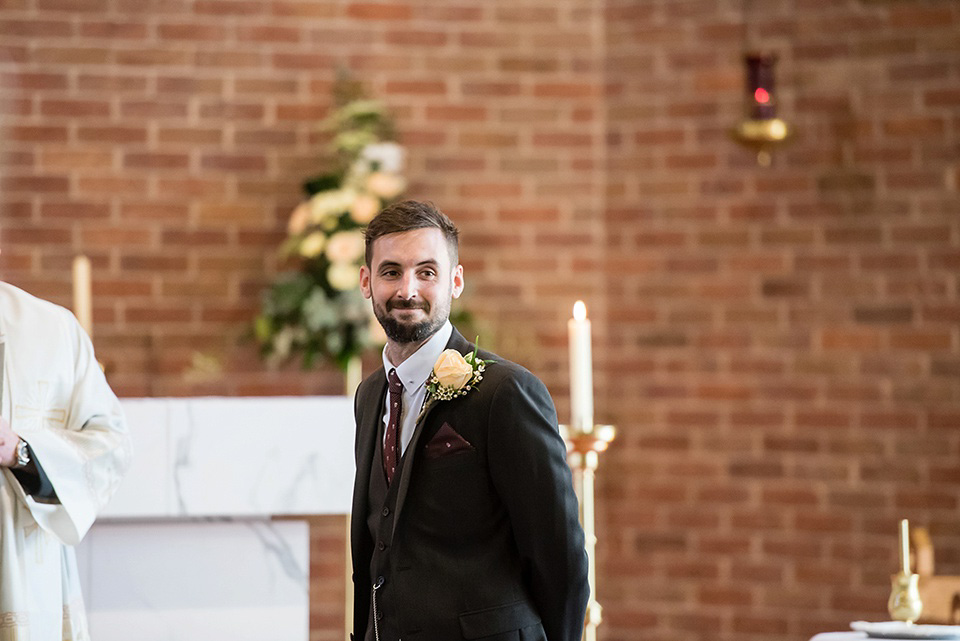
35, 481
527, 460
359, 544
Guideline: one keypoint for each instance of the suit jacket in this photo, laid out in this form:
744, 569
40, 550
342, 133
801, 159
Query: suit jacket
486, 540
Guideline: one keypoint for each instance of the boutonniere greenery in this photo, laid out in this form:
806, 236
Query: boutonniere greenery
455, 375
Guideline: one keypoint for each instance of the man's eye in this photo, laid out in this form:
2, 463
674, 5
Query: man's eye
428, 273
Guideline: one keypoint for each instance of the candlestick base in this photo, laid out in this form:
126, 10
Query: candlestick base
905, 604
584, 447
583, 455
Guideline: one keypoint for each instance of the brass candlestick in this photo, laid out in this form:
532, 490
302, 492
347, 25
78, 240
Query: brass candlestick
905, 604
583, 455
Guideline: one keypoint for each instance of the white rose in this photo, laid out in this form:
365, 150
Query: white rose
388, 156
386, 185
312, 245
452, 370
319, 207
343, 276
345, 247
283, 341
330, 203
364, 208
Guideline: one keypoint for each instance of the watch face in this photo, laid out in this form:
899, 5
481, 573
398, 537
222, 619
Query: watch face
23, 454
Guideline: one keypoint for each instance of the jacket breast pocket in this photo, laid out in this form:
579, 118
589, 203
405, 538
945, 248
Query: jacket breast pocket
499, 620
459, 459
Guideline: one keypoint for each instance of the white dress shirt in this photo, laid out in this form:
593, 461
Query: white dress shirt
414, 373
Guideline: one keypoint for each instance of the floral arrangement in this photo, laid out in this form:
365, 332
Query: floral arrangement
318, 310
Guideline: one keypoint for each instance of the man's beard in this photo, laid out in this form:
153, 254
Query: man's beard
410, 332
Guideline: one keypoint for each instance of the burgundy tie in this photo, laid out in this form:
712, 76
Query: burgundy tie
391, 444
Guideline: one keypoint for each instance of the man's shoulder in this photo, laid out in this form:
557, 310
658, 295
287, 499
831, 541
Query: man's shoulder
20, 306
502, 369
508, 385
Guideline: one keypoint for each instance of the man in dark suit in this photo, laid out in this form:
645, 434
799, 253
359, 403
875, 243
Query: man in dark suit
464, 517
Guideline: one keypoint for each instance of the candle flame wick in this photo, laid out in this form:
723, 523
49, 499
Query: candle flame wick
579, 311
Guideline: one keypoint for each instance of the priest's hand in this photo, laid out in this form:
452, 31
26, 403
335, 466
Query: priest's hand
8, 444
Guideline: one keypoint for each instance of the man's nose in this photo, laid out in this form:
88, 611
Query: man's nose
408, 287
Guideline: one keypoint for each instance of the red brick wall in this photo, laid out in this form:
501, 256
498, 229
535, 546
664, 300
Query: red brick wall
783, 349
168, 140
780, 352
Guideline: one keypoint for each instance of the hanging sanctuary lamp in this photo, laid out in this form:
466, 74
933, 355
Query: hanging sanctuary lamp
761, 130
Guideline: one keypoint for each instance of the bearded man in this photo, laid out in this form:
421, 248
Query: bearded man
465, 522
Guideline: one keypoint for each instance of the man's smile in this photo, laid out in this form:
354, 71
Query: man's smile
405, 306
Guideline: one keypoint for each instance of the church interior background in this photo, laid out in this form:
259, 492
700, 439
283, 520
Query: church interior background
779, 347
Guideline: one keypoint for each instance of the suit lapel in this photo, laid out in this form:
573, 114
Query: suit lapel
460, 344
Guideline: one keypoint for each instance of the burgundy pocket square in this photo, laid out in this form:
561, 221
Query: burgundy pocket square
445, 442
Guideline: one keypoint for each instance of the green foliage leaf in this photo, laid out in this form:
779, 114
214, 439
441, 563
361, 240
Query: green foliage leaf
290, 246
287, 295
322, 183
319, 312
262, 328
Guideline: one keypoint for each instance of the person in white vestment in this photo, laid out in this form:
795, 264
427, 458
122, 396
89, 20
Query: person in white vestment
64, 447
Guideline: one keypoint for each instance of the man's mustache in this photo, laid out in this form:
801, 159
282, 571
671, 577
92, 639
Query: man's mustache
408, 304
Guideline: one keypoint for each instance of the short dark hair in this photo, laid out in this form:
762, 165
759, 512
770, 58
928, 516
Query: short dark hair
408, 215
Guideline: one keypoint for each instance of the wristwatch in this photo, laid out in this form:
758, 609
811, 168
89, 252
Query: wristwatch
23, 454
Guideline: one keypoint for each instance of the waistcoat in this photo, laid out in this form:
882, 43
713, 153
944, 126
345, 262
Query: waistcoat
382, 503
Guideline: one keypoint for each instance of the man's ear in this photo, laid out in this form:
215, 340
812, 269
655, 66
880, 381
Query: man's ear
365, 281
457, 281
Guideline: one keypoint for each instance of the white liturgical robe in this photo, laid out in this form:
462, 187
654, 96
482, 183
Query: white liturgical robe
55, 396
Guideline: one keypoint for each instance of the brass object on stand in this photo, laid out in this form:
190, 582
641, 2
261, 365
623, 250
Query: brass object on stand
761, 130
762, 136
583, 455
904, 603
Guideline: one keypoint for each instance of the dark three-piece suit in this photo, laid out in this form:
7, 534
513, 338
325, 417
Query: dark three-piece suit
477, 535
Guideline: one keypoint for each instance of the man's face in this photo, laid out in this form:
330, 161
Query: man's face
411, 283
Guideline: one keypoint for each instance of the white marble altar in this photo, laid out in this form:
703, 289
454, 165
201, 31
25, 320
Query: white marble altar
244, 581
237, 457
186, 551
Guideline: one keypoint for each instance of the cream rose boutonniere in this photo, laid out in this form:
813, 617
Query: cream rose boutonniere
454, 375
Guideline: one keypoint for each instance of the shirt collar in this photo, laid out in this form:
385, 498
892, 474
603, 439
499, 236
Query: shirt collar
414, 371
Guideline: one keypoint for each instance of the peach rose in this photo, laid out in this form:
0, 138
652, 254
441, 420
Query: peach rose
452, 370
345, 246
299, 219
377, 335
364, 208
386, 185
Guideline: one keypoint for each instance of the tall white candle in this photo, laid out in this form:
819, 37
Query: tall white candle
581, 370
82, 297
905, 546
